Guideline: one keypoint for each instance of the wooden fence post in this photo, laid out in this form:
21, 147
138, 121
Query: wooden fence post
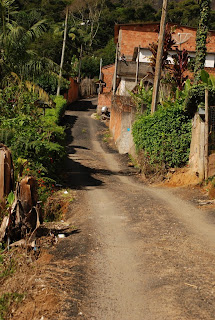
137, 66
115, 71
206, 134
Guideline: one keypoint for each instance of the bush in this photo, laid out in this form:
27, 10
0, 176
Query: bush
34, 139
164, 136
49, 83
196, 96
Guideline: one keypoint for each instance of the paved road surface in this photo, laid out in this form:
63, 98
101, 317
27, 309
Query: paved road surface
143, 253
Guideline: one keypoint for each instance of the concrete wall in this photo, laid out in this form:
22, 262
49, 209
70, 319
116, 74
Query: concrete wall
196, 161
122, 117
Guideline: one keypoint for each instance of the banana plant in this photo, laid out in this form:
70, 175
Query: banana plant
207, 79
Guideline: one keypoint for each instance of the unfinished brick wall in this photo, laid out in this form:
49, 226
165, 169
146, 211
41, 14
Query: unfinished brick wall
73, 92
131, 36
104, 100
107, 74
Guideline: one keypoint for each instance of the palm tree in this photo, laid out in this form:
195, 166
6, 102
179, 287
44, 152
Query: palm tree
16, 36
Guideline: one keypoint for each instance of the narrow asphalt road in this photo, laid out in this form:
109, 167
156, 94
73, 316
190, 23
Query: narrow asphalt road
142, 253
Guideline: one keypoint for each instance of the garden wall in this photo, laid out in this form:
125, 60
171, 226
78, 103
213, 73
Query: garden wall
104, 100
73, 92
122, 117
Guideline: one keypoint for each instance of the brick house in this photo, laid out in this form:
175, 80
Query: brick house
132, 64
137, 36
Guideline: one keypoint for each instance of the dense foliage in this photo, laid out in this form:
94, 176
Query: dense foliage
91, 25
36, 140
196, 97
164, 136
201, 38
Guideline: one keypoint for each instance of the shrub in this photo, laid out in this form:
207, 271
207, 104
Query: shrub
49, 83
36, 139
164, 136
196, 96
7, 300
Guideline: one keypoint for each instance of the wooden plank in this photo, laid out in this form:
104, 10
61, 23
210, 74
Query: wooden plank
206, 135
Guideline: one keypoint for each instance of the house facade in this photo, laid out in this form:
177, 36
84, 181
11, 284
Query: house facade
133, 42
132, 65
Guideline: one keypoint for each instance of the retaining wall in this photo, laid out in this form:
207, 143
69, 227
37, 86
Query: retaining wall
122, 117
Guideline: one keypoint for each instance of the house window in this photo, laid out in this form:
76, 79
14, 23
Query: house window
209, 61
145, 54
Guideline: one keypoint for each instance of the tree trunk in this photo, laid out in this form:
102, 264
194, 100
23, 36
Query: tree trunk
159, 57
63, 51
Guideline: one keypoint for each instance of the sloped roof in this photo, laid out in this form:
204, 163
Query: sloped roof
156, 24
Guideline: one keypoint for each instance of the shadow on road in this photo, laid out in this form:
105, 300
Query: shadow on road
83, 105
77, 175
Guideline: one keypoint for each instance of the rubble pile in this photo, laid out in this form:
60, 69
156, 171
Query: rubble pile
23, 214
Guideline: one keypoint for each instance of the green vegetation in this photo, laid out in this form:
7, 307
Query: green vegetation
164, 136
91, 25
7, 267
184, 12
36, 140
57, 205
201, 38
106, 136
8, 300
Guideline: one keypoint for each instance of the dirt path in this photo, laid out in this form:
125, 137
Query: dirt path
142, 253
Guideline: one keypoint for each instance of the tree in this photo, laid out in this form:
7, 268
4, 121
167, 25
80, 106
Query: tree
168, 43
15, 40
87, 13
181, 60
184, 13
63, 51
201, 38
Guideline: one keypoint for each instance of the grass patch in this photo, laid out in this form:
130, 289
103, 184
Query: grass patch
97, 116
134, 161
106, 137
7, 267
7, 300
57, 205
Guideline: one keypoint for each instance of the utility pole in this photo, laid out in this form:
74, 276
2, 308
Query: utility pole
79, 67
100, 75
159, 57
137, 65
115, 71
63, 51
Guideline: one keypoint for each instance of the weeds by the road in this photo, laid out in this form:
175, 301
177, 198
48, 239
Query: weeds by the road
6, 302
106, 136
7, 266
57, 205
